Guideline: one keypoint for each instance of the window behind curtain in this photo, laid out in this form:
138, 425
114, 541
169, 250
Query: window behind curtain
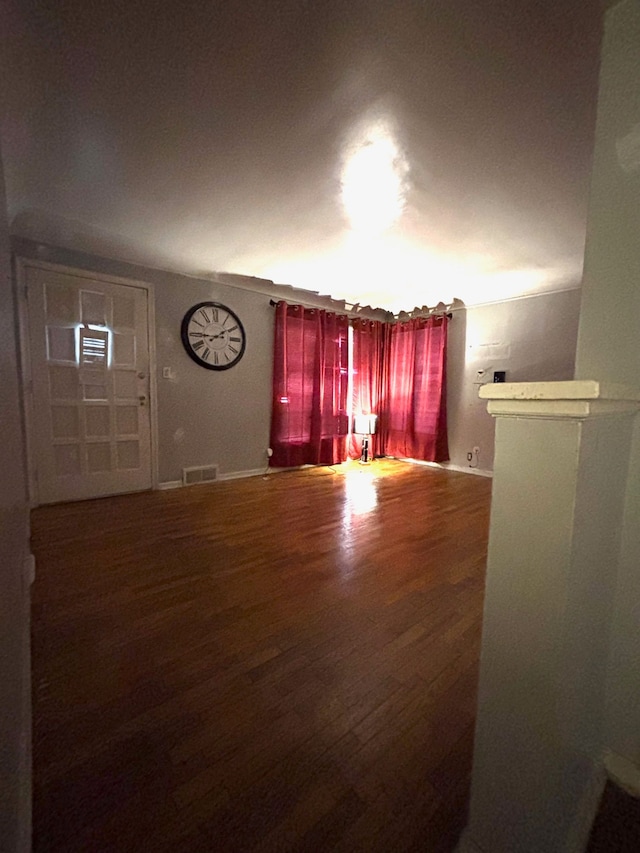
309, 421
370, 339
415, 421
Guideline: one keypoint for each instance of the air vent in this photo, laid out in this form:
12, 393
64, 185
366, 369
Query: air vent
199, 474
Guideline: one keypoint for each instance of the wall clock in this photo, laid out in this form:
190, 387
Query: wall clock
213, 335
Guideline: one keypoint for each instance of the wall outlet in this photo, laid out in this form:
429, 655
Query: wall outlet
269, 452
476, 450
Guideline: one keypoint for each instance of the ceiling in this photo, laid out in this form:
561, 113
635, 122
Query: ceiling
389, 153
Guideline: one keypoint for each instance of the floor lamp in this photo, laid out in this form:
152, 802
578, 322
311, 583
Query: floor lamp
365, 425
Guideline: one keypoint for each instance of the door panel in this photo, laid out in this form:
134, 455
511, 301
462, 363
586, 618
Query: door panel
89, 352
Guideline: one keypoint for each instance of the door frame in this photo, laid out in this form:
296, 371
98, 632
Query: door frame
22, 264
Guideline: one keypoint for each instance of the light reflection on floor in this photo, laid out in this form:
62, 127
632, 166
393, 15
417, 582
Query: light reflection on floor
361, 493
358, 512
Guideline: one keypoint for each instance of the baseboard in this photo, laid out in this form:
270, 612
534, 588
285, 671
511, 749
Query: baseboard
238, 475
479, 472
623, 772
449, 466
170, 484
231, 475
257, 472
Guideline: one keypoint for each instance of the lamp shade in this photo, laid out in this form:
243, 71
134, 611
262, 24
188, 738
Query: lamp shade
365, 424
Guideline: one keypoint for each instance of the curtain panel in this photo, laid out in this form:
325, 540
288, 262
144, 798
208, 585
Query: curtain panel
309, 423
414, 418
370, 344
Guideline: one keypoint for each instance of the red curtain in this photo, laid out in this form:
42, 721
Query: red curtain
414, 424
309, 421
369, 348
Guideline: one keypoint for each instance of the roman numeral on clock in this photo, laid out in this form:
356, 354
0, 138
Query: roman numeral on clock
213, 335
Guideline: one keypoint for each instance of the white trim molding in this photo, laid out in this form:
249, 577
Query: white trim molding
462, 469
238, 475
580, 398
169, 484
447, 466
231, 475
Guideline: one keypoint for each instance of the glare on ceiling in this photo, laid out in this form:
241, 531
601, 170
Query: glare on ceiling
374, 179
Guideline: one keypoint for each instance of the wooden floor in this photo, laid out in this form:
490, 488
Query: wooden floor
274, 664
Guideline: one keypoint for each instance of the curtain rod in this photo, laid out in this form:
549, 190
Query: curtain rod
273, 303
344, 311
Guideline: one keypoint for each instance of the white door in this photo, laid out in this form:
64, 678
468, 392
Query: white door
89, 359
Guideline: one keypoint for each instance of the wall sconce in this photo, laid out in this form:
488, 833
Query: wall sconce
365, 425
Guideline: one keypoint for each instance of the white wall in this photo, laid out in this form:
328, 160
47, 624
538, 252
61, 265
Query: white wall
533, 339
609, 336
15, 701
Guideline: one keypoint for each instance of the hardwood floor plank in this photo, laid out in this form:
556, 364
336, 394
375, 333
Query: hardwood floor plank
285, 663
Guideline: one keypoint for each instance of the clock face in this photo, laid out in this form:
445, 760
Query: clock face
213, 335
